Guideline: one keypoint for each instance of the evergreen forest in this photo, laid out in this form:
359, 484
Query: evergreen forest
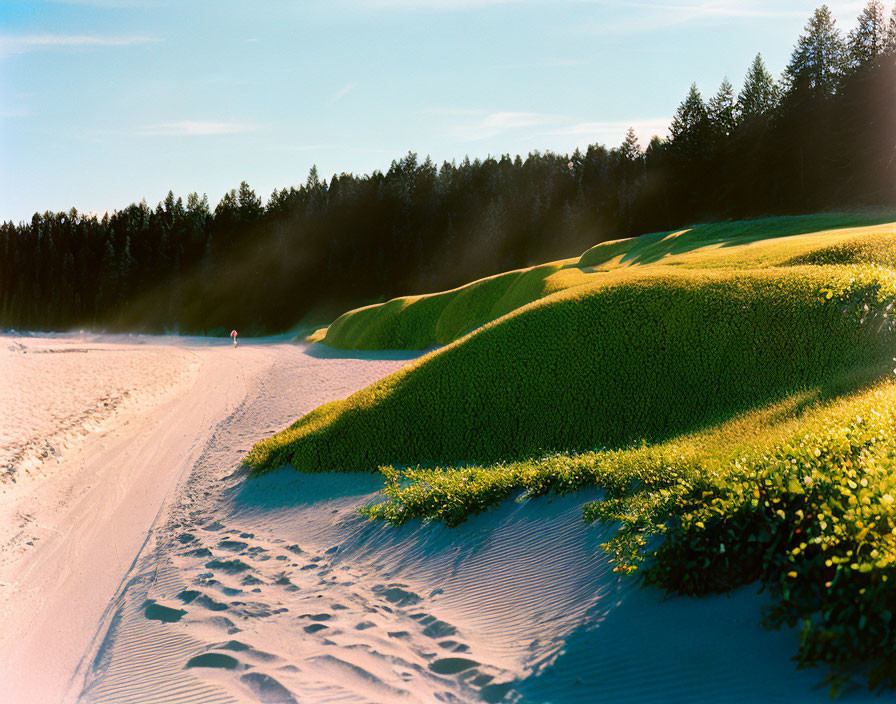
820, 137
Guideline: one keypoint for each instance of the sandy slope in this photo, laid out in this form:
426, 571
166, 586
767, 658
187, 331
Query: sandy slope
276, 590
57, 391
73, 524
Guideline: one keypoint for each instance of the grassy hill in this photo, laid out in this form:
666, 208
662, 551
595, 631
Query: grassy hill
728, 386
420, 322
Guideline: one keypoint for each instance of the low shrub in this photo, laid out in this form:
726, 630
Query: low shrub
807, 507
813, 519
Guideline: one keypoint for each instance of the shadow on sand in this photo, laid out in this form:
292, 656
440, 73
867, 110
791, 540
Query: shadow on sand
321, 351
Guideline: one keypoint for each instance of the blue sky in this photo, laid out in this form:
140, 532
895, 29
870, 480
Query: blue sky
105, 102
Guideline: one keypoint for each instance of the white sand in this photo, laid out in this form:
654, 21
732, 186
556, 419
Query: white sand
55, 391
161, 574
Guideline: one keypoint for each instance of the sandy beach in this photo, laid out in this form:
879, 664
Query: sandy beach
138, 562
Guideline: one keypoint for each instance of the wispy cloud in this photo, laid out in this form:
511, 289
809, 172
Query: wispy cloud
452, 112
342, 92
16, 112
493, 124
658, 15
305, 147
187, 128
645, 14
109, 3
43, 42
612, 133
431, 5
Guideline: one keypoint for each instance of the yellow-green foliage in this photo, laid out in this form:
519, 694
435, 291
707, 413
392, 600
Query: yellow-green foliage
800, 495
652, 248
867, 249
724, 373
420, 322
601, 365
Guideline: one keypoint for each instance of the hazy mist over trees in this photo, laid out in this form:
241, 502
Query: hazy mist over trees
822, 137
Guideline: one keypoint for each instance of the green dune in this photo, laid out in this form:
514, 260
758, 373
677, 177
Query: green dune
647, 358
728, 386
420, 322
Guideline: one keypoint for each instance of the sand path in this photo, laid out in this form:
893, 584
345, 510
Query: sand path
144, 567
72, 531
86, 523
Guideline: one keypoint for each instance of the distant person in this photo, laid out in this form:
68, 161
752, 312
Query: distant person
234, 336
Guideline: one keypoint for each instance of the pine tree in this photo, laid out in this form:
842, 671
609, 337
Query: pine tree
721, 111
629, 173
312, 183
868, 41
630, 149
817, 63
250, 208
759, 94
689, 126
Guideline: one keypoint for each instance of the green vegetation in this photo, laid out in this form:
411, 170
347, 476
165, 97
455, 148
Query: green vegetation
646, 358
809, 510
730, 392
420, 322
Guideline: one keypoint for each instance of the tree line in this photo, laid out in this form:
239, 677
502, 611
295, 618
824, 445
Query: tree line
821, 136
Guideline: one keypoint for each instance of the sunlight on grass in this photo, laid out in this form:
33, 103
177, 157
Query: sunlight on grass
420, 322
729, 387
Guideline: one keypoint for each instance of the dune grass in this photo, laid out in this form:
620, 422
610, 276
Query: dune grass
421, 322
418, 322
729, 388
603, 365
800, 496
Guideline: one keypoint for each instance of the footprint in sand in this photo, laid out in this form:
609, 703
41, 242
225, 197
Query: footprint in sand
159, 612
233, 545
454, 646
254, 609
433, 627
223, 623
451, 666
199, 552
217, 660
188, 595
267, 689
246, 651
207, 602
397, 594
234, 566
